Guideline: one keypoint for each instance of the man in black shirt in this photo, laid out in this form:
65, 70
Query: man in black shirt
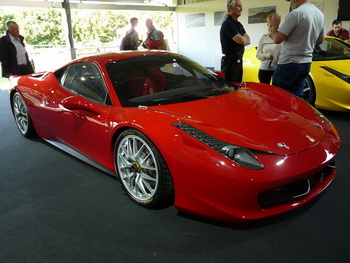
233, 38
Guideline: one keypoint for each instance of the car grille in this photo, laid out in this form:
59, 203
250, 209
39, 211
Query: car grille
293, 191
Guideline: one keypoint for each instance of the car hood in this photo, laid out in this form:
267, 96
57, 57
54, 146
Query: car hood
263, 118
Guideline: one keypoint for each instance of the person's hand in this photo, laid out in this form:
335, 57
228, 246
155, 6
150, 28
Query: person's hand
275, 21
271, 56
145, 43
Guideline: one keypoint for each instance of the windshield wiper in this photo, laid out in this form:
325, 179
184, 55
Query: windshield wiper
181, 98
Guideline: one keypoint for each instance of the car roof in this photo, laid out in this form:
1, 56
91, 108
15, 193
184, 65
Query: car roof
104, 58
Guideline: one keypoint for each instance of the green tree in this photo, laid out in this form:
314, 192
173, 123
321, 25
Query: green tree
42, 26
4, 18
164, 20
46, 26
90, 26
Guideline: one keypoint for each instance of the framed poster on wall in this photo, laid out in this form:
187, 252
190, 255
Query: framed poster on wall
259, 14
219, 18
195, 20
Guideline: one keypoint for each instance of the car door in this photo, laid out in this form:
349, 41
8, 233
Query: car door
82, 106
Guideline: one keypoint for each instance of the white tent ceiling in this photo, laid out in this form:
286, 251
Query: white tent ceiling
151, 5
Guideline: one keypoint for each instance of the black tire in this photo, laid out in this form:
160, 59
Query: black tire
22, 117
309, 91
143, 173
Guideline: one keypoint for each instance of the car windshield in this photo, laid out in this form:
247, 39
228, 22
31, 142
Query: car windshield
332, 49
160, 79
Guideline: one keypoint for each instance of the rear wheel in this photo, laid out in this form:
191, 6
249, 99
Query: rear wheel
309, 91
22, 117
143, 173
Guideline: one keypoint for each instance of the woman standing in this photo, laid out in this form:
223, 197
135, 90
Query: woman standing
266, 53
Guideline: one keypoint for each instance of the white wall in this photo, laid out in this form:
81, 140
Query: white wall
202, 44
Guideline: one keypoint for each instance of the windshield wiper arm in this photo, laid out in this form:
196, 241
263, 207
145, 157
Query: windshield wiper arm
183, 97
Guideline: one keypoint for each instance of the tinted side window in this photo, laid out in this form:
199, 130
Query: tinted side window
85, 79
332, 49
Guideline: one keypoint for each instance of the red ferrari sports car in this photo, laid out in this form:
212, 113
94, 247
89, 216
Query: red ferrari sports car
174, 132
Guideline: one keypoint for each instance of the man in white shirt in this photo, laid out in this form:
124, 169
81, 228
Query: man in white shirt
302, 29
13, 55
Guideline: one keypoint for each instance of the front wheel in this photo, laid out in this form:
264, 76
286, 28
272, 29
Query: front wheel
22, 116
142, 171
309, 91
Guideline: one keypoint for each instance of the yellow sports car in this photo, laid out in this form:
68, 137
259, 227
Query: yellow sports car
328, 84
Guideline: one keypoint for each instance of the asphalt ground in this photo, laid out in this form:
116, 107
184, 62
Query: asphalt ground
55, 208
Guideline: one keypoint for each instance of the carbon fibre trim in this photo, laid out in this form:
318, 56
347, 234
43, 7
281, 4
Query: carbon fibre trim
337, 74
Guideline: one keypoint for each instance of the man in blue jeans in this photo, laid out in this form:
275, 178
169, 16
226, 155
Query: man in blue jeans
302, 29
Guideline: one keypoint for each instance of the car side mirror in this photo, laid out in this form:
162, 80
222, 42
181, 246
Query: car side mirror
79, 103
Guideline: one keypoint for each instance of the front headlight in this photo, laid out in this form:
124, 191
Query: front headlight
239, 155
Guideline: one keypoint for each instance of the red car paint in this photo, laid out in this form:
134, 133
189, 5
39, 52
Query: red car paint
292, 141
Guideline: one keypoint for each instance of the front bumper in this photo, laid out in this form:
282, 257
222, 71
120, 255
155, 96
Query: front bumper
218, 189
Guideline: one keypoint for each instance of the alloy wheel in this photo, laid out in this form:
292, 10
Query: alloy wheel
21, 115
137, 167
